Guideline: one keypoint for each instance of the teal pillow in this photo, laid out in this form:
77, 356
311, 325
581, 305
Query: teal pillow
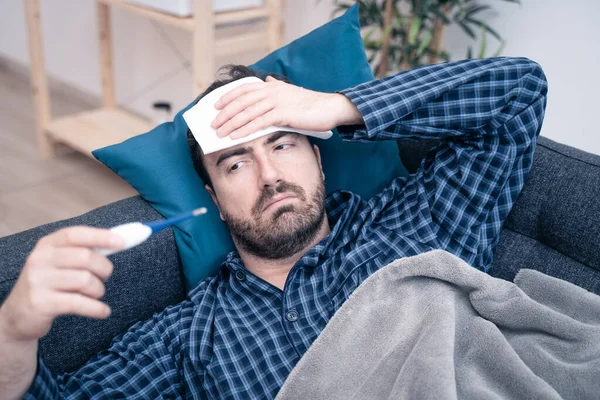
158, 164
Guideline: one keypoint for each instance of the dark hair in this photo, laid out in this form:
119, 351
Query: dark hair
225, 75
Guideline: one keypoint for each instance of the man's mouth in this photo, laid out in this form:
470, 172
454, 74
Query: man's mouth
278, 199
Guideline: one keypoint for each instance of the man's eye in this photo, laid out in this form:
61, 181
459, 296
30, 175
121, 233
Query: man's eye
283, 146
236, 166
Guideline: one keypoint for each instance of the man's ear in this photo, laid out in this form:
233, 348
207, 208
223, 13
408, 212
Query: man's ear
318, 155
214, 199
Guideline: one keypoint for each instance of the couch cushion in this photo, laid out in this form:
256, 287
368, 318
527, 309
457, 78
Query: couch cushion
516, 251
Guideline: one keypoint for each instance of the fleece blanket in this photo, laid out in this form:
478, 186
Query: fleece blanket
433, 327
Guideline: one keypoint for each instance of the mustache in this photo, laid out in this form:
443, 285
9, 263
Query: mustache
268, 193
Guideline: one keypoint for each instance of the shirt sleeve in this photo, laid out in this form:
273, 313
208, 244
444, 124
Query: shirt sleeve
144, 362
488, 113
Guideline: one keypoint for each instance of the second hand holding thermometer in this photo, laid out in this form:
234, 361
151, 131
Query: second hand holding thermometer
135, 233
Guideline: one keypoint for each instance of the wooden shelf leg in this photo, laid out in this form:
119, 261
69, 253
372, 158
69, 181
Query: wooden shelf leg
39, 82
275, 24
106, 65
204, 46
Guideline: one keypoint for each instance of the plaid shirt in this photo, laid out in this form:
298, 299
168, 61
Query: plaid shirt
237, 336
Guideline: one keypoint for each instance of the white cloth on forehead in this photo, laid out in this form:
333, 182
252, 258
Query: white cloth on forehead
200, 116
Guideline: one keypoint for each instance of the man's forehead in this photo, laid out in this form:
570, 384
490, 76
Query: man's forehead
263, 140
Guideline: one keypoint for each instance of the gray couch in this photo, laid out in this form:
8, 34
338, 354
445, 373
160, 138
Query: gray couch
554, 227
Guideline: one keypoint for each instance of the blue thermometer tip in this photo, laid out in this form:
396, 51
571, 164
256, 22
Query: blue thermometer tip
160, 225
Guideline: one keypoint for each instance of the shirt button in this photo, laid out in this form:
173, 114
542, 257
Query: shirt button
292, 315
240, 275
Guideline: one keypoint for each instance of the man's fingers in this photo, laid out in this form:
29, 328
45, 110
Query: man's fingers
235, 93
84, 236
82, 258
78, 304
250, 114
263, 121
80, 281
236, 107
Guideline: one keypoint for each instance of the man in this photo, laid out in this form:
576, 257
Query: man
299, 254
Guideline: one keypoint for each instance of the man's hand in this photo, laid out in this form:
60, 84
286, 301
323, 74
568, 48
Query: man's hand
255, 106
62, 275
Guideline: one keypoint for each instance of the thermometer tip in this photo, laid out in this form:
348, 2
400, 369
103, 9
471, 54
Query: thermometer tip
199, 211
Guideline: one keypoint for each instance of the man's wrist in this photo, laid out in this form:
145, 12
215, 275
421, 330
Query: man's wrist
5, 334
346, 113
7, 331
18, 361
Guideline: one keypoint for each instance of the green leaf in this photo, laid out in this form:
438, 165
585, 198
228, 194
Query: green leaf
415, 27
425, 40
444, 55
393, 55
485, 27
372, 46
467, 29
440, 15
500, 49
369, 43
476, 9
440, 53
483, 45
368, 13
367, 37
425, 7
338, 10
385, 32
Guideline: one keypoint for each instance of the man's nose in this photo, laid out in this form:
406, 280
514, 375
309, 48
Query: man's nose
270, 175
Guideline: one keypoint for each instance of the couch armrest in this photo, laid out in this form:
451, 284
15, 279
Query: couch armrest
560, 203
146, 279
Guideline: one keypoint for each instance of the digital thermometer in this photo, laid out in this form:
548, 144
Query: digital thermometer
135, 233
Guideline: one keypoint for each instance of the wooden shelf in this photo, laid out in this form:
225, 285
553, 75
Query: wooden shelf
180, 22
109, 125
91, 130
230, 17
242, 43
188, 23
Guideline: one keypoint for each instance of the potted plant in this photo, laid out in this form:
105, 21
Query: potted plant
404, 34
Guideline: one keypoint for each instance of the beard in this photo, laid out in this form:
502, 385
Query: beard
287, 231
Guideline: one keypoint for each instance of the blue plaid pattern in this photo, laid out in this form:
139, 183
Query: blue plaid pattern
237, 336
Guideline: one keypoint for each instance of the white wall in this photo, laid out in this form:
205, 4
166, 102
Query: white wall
561, 36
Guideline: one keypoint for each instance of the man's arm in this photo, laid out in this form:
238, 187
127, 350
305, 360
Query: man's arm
143, 363
489, 113
63, 276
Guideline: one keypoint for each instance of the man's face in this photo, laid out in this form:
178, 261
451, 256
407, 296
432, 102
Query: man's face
270, 192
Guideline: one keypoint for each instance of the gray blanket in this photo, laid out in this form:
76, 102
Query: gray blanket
432, 327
